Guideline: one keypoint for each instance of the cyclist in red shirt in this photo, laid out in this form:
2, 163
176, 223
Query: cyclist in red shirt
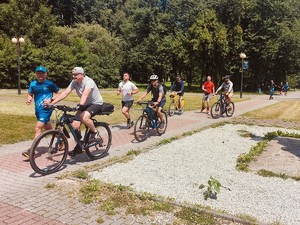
209, 88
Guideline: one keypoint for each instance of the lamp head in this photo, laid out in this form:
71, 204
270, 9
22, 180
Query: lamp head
14, 40
21, 40
242, 55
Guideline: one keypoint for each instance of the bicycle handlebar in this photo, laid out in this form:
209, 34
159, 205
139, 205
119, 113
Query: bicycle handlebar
63, 108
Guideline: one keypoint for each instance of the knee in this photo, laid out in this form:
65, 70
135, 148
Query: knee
38, 129
124, 111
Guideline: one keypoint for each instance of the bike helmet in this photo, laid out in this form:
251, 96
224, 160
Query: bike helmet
153, 77
227, 77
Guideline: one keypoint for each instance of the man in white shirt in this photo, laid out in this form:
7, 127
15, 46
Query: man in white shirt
127, 88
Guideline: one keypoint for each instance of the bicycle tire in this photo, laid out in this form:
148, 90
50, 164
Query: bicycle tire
216, 110
182, 107
99, 148
171, 110
141, 128
230, 109
47, 153
161, 129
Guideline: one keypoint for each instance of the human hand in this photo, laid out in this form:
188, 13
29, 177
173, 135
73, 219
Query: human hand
28, 101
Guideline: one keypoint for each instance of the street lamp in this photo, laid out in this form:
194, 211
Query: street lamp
18, 42
242, 56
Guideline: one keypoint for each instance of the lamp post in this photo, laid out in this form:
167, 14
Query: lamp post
242, 56
18, 42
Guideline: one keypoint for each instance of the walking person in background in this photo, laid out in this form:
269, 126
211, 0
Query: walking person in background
41, 90
281, 88
286, 88
272, 86
209, 88
128, 89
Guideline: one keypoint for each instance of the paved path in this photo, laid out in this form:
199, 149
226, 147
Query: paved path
25, 200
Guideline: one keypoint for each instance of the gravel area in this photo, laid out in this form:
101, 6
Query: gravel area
177, 169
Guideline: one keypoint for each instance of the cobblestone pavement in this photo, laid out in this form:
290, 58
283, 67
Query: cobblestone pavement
25, 200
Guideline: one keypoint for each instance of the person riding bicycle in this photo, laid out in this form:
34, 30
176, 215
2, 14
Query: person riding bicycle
227, 85
158, 96
178, 87
40, 90
90, 103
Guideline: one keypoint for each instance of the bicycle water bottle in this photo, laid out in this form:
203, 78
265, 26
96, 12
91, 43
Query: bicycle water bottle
149, 112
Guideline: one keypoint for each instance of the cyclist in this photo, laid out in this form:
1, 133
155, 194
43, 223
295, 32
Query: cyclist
227, 85
178, 87
90, 103
40, 90
158, 96
209, 88
272, 89
127, 88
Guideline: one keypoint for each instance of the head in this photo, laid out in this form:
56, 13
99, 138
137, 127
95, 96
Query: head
227, 78
41, 73
126, 77
208, 78
178, 78
154, 80
78, 74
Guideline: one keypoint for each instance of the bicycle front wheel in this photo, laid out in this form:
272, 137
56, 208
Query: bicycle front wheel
230, 109
216, 110
162, 124
101, 145
171, 110
141, 128
48, 152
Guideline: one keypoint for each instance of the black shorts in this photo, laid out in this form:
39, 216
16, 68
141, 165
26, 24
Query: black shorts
180, 94
92, 109
127, 104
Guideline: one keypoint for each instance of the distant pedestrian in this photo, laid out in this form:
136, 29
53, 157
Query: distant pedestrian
41, 90
286, 88
209, 88
281, 88
272, 86
128, 89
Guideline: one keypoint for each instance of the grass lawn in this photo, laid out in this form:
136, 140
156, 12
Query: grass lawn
285, 111
18, 119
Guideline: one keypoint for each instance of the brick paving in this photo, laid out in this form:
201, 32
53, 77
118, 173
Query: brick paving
24, 200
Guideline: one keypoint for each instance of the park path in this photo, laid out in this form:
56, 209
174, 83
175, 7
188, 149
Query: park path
25, 200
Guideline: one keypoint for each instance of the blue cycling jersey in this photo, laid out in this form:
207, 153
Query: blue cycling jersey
41, 92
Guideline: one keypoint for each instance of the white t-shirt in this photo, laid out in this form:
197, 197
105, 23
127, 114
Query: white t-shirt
126, 87
87, 82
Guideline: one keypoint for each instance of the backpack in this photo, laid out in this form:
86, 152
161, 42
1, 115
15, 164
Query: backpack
164, 87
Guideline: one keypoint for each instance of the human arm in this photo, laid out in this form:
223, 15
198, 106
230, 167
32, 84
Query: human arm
182, 87
142, 97
29, 98
61, 96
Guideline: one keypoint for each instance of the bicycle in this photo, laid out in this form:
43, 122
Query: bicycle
222, 106
174, 105
149, 119
50, 149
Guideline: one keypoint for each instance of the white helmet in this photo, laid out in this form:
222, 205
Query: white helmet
154, 77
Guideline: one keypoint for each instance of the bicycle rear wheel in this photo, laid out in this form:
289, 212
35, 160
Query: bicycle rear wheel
162, 126
141, 128
216, 110
48, 152
171, 110
230, 109
100, 147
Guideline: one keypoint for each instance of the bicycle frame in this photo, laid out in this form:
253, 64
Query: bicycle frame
175, 99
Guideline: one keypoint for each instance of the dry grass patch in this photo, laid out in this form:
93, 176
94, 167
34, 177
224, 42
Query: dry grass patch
285, 111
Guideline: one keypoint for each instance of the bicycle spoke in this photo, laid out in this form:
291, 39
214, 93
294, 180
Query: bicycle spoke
141, 129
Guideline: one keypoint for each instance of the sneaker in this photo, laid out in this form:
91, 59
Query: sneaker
76, 151
130, 124
162, 124
93, 137
61, 147
202, 109
26, 153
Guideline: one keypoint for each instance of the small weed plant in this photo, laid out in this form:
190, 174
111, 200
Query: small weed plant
213, 188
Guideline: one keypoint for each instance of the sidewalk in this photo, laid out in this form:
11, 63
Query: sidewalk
24, 200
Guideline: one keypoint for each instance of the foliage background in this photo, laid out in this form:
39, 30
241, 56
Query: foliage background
193, 38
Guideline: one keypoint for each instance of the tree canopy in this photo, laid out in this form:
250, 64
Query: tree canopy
193, 38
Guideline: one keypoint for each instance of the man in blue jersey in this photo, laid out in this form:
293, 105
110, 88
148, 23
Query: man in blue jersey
41, 90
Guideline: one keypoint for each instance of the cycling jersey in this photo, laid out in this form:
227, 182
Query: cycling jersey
41, 92
178, 86
155, 91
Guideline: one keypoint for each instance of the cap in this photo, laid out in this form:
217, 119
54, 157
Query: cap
78, 70
41, 69
227, 77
